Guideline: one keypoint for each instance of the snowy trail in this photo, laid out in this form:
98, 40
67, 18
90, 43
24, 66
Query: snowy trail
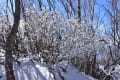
73, 74
36, 71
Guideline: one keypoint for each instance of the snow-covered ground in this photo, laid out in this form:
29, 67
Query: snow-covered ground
73, 74
36, 71
28, 71
33, 70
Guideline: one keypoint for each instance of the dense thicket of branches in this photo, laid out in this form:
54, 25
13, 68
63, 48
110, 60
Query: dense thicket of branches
75, 35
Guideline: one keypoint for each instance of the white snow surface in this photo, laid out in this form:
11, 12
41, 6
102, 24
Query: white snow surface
28, 71
35, 71
74, 74
32, 71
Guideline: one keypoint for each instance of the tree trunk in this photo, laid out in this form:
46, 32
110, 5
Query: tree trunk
79, 11
10, 43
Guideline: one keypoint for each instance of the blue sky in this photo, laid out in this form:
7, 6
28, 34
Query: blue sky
98, 4
98, 9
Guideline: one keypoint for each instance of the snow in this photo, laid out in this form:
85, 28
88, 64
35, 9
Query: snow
30, 70
73, 74
113, 70
116, 72
2, 72
102, 68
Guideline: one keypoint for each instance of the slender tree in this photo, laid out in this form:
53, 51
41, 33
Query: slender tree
79, 10
113, 13
10, 43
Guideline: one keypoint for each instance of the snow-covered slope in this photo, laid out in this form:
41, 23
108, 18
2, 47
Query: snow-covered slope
35, 71
32, 71
28, 71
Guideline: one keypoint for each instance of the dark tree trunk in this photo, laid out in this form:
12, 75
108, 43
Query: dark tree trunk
79, 11
10, 43
40, 4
